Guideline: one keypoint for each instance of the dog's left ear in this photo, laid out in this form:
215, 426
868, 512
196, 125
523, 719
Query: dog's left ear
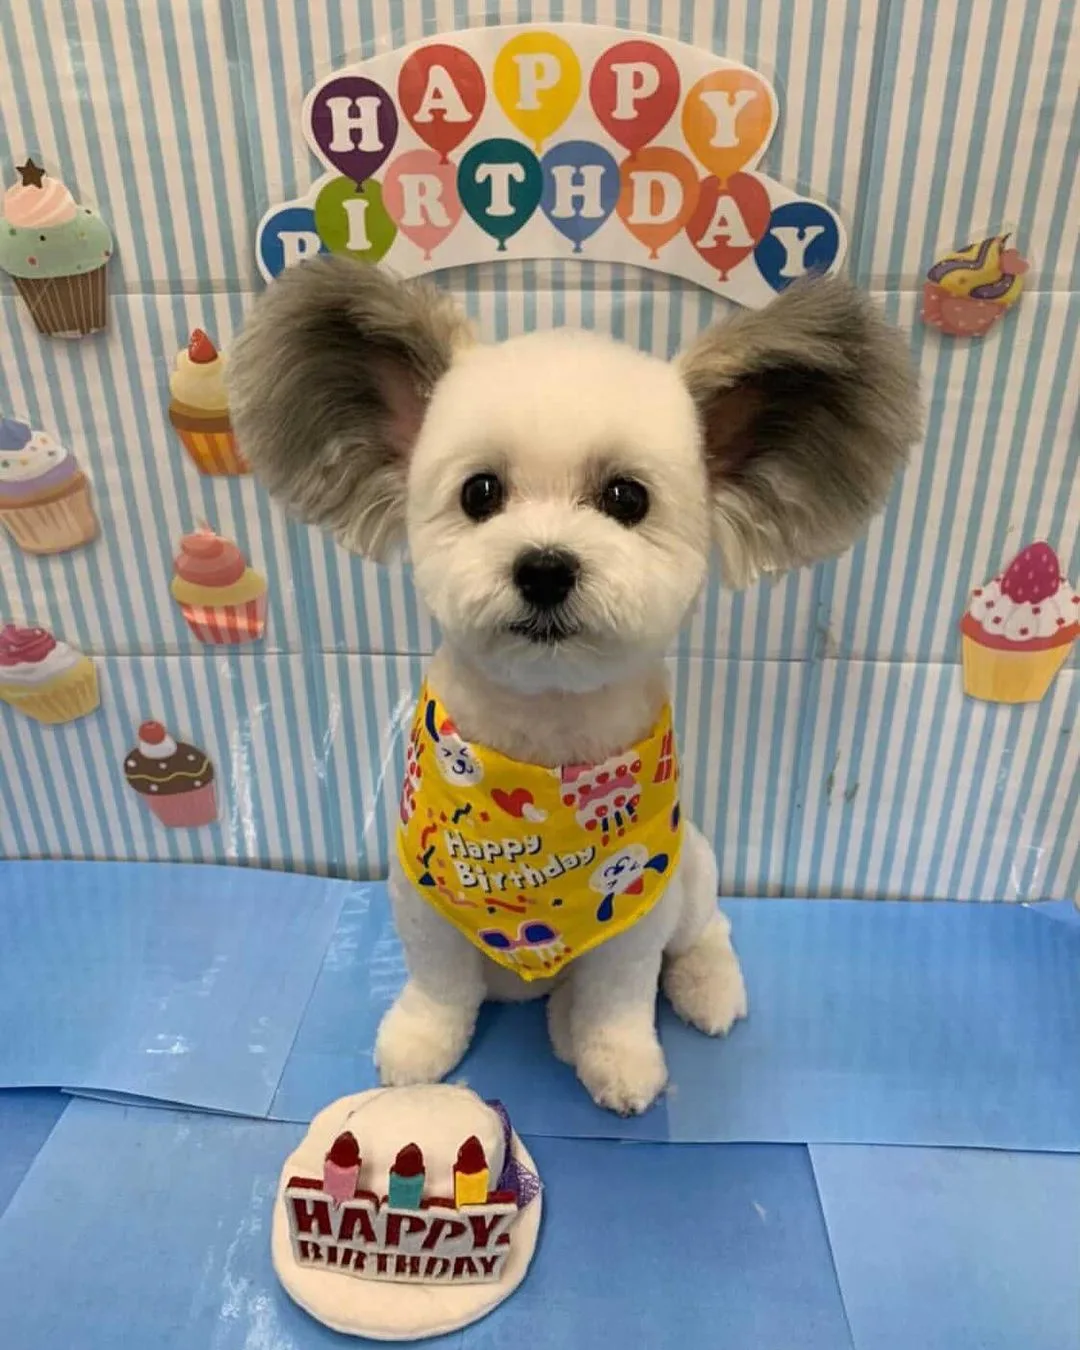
807, 410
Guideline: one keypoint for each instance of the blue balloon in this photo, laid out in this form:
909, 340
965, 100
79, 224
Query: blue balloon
802, 237
584, 199
285, 238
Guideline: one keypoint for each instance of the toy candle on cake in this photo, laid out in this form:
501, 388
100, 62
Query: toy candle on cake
341, 1170
407, 1178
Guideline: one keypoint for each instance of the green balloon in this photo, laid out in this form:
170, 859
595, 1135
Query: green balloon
500, 185
350, 218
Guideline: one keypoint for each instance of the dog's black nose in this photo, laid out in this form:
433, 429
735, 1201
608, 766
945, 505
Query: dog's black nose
546, 576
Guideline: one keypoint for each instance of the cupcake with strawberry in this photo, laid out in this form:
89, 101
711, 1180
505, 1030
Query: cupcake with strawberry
199, 408
175, 779
1019, 629
43, 678
222, 599
44, 496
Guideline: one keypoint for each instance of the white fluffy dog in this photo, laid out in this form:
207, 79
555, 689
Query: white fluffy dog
559, 494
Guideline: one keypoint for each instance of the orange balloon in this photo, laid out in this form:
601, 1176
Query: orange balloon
659, 190
726, 120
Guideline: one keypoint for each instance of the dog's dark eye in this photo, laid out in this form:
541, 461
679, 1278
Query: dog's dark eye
624, 500
481, 496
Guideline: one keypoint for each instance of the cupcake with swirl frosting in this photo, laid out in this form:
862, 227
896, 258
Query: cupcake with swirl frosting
174, 779
44, 496
199, 408
57, 253
220, 596
968, 290
1019, 629
43, 678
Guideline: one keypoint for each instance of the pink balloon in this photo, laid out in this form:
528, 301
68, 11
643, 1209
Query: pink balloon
420, 195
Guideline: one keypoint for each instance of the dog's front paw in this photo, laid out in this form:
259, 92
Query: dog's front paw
624, 1073
420, 1041
705, 984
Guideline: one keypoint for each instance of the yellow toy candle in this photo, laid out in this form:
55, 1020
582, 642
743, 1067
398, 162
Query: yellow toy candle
471, 1174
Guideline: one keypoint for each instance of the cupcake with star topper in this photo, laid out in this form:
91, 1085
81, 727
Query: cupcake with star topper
199, 408
44, 496
1019, 629
57, 252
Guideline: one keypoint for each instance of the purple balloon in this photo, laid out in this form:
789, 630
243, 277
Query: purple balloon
355, 124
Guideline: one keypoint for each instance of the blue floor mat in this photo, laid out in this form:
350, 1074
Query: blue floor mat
27, 1117
182, 983
954, 1249
869, 1023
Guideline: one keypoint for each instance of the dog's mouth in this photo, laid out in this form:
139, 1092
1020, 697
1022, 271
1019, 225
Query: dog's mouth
544, 630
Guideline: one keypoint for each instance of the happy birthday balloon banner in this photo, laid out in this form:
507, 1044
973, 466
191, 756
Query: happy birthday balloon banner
562, 141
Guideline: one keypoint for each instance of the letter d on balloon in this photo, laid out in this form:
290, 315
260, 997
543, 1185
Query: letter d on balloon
656, 197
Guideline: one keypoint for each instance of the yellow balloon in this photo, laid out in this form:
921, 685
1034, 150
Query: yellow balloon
537, 80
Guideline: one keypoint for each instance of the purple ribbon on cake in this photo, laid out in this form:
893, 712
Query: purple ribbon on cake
515, 1177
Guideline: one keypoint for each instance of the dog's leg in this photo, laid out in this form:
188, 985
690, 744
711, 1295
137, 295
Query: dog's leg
701, 977
430, 1025
613, 1016
560, 1028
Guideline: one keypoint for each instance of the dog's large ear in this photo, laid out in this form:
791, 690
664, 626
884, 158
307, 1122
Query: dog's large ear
807, 410
328, 386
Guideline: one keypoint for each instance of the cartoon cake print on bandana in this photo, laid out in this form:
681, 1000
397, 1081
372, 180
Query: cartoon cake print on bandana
515, 854
605, 796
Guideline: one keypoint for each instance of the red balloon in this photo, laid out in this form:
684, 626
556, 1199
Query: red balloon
441, 94
729, 220
634, 89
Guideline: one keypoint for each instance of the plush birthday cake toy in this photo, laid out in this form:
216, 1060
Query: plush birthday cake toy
406, 1213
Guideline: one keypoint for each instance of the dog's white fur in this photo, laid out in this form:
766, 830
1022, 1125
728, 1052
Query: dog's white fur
564, 400
396, 434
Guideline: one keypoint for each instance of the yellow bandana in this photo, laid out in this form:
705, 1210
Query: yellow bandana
537, 865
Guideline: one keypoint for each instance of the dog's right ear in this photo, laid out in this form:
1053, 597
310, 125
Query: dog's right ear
328, 386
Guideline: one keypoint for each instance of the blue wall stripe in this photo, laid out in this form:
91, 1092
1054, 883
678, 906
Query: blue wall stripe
814, 671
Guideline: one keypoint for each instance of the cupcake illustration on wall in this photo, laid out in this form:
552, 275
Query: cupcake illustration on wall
220, 596
969, 290
43, 678
174, 779
1019, 629
44, 496
199, 408
57, 253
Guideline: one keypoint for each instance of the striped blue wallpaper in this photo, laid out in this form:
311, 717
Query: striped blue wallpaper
828, 747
